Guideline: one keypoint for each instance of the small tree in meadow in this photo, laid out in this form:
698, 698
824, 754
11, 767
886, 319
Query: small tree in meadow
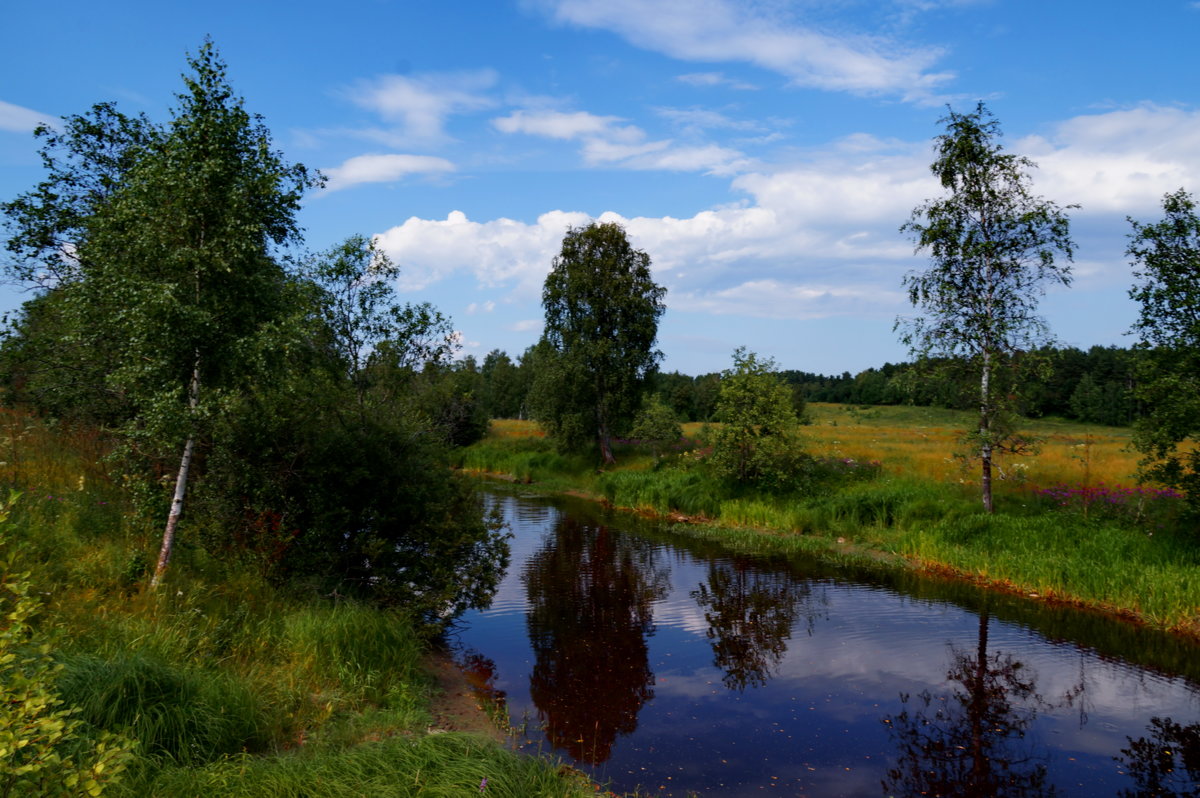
755, 444
656, 425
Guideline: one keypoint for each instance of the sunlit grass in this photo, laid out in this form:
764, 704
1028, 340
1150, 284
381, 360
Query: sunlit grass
923, 442
232, 685
924, 507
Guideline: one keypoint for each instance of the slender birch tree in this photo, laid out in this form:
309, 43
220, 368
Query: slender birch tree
993, 247
161, 239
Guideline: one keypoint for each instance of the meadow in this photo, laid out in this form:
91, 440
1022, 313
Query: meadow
220, 683
1073, 525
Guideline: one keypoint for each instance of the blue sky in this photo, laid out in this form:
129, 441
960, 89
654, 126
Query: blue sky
763, 152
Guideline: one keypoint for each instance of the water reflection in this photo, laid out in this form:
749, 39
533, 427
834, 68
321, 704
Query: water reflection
750, 615
971, 741
660, 663
1166, 764
590, 591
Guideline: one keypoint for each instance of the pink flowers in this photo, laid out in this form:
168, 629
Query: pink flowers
1114, 501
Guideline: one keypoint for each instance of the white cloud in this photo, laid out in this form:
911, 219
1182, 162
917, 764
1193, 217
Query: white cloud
697, 119
706, 79
557, 124
497, 252
1120, 161
16, 119
821, 237
475, 307
608, 142
384, 168
421, 104
722, 31
796, 300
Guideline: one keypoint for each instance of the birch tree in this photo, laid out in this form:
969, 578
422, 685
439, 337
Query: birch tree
602, 309
993, 247
166, 246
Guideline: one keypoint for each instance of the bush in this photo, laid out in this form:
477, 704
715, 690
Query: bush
44, 748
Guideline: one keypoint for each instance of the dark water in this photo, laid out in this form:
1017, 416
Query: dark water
653, 661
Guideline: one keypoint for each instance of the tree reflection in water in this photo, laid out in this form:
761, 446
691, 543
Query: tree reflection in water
1165, 764
750, 615
590, 591
971, 741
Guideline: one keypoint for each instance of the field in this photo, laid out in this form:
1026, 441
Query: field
922, 441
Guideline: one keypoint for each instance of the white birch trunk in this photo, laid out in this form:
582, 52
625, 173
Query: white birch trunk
185, 465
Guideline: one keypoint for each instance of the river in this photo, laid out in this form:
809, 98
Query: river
653, 661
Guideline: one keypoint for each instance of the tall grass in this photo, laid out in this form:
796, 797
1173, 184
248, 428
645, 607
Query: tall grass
925, 508
664, 491
229, 684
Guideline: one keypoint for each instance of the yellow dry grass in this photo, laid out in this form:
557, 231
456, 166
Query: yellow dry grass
514, 428
924, 442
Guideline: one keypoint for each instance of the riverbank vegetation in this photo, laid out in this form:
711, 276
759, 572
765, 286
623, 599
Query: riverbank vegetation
1072, 523
225, 683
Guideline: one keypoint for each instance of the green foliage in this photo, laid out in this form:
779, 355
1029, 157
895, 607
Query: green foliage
993, 246
602, 309
504, 386
1166, 258
45, 749
656, 425
666, 490
756, 443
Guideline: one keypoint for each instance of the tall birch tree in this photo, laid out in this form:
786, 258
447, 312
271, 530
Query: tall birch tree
165, 244
993, 247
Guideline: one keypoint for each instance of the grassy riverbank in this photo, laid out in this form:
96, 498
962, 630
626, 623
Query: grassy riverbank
1072, 525
220, 683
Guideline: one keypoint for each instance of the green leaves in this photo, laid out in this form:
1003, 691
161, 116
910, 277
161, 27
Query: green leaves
602, 309
44, 749
1166, 261
755, 444
993, 247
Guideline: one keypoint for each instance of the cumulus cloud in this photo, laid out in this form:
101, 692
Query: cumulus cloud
384, 168
16, 119
723, 31
420, 104
1121, 161
820, 237
501, 251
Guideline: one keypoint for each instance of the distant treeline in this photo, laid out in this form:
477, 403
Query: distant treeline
1093, 386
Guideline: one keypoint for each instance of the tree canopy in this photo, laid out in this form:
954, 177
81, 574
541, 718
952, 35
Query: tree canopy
1166, 263
597, 350
302, 405
993, 247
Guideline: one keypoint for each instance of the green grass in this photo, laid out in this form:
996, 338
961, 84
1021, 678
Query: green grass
1144, 564
430, 766
229, 684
